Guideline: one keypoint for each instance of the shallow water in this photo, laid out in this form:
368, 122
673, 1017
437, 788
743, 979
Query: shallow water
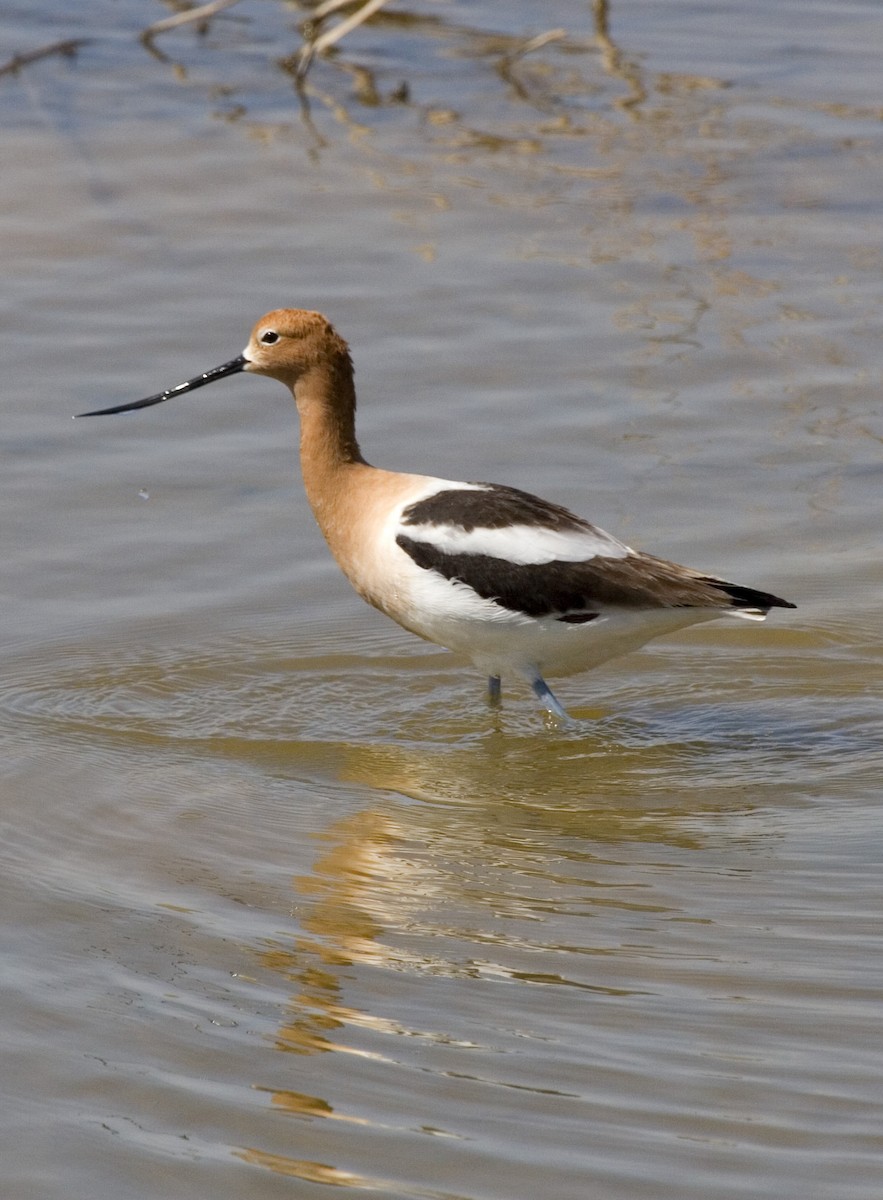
286, 907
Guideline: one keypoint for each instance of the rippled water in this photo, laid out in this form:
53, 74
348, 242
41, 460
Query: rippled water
286, 907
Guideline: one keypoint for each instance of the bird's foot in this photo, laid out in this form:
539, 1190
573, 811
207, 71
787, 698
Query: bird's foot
550, 701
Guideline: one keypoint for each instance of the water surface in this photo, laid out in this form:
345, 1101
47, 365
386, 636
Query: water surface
286, 908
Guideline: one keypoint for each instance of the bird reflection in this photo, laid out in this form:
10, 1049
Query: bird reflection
458, 875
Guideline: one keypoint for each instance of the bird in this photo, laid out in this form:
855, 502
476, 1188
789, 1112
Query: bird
519, 585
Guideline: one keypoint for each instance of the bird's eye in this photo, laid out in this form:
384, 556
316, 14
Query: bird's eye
269, 337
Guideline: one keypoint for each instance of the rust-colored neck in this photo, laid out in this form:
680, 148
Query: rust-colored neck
329, 453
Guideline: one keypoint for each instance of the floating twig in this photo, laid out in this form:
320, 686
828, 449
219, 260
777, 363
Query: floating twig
200, 13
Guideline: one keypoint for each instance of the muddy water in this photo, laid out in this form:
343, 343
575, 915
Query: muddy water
284, 905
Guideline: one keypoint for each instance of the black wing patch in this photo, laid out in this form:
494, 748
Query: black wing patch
536, 591
575, 591
494, 507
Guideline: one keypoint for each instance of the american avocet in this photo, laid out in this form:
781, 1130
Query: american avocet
513, 582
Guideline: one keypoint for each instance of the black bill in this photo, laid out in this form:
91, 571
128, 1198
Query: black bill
233, 367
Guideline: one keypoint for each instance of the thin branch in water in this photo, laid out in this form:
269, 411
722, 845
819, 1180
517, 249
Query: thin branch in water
614, 61
323, 41
536, 43
329, 7
509, 60
67, 48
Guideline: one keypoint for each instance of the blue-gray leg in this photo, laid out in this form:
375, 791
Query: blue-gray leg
547, 698
494, 690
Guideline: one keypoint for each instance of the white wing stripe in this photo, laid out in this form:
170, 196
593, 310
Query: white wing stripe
525, 545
